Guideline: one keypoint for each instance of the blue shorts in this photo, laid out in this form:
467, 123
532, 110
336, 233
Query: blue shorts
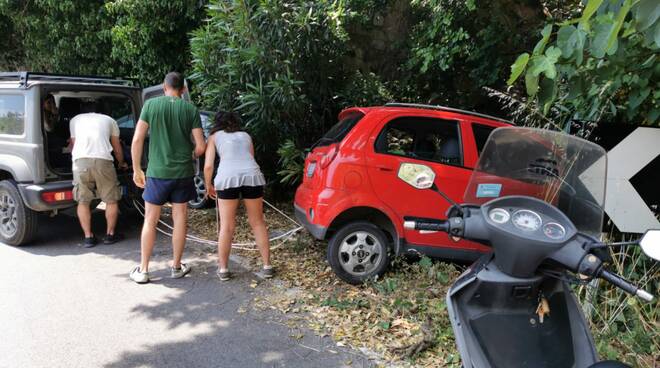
161, 191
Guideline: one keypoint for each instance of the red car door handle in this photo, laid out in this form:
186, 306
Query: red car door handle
385, 168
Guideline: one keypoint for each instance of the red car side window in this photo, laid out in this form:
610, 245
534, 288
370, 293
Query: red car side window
422, 138
481, 134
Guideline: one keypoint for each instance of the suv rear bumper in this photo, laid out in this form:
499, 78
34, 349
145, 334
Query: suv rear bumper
32, 195
317, 231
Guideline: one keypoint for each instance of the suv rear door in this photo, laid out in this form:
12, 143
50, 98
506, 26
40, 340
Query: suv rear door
427, 140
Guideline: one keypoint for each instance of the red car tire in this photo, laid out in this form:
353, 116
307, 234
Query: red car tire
359, 251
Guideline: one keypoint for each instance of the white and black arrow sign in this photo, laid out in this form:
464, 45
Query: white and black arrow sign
623, 204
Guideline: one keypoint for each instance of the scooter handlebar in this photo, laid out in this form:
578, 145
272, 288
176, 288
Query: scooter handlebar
625, 285
426, 224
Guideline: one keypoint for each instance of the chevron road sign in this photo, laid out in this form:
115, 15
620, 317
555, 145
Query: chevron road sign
623, 204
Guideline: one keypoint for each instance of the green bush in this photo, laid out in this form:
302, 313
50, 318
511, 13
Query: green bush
60, 36
601, 65
292, 163
150, 37
277, 62
134, 38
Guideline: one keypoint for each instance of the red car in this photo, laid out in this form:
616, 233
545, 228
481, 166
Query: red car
352, 196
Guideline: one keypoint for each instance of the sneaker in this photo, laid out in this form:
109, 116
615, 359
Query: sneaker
223, 275
139, 277
112, 238
90, 242
178, 273
268, 273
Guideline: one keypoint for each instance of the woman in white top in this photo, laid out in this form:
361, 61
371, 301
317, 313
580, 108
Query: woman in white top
238, 176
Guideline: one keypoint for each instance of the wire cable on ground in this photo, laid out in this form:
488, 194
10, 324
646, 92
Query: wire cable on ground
243, 246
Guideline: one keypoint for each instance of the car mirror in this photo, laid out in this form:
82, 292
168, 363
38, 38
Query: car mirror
419, 176
650, 244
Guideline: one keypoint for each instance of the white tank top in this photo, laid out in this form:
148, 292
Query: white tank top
237, 165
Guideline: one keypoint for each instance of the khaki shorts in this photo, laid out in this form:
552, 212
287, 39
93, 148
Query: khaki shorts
95, 178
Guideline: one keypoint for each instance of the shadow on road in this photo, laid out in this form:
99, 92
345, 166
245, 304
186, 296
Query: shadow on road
62, 236
196, 321
213, 325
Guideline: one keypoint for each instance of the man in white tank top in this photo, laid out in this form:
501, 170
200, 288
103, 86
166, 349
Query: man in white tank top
94, 138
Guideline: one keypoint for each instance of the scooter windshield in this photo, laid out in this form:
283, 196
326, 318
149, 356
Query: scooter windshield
563, 170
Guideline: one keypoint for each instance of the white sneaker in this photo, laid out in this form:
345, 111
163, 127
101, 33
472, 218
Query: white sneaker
139, 277
178, 273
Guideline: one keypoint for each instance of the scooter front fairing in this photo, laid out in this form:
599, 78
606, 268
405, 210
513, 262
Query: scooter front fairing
495, 320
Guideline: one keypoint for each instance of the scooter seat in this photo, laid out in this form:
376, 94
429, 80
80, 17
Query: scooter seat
609, 364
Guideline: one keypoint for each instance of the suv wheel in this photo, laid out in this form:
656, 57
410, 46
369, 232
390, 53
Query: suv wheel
358, 252
200, 190
18, 223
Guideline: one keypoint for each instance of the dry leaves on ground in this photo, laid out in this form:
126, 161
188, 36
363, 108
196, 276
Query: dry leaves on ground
400, 319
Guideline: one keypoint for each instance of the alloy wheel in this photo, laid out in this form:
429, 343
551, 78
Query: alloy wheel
200, 191
360, 253
8, 215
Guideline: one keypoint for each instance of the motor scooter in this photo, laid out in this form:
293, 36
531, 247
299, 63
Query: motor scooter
535, 197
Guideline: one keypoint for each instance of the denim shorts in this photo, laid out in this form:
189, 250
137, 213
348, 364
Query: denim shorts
244, 192
161, 191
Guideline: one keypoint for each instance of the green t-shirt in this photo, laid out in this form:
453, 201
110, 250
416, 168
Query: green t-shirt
171, 121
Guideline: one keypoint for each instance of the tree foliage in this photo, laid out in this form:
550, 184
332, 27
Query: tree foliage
289, 66
150, 38
277, 62
601, 65
458, 47
142, 39
64, 36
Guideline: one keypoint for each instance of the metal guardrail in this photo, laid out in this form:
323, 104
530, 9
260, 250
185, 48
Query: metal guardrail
445, 108
23, 78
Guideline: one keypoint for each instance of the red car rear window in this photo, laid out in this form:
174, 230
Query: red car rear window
339, 131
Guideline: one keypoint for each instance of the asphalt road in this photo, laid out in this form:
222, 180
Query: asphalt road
65, 306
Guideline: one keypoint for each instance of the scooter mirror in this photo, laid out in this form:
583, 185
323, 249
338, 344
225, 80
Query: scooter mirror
419, 176
650, 244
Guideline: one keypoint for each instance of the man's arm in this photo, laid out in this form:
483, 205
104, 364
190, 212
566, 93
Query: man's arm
118, 151
72, 135
137, 147
200, 144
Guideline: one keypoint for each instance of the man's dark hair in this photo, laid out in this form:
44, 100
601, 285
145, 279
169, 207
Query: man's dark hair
88, 106
174, 80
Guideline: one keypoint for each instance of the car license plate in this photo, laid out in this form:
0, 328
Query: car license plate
310, 169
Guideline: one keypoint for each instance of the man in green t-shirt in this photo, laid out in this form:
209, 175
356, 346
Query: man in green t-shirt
175, 138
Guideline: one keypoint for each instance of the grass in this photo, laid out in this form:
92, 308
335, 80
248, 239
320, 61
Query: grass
624, 327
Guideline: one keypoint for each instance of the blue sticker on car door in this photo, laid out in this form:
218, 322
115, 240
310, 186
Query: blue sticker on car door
489, 190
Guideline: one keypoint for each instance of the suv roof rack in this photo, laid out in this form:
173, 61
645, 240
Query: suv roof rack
24, 77
444, 108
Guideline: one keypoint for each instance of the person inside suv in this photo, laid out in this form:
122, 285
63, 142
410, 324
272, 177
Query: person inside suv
55, 133
94, 138
50, 113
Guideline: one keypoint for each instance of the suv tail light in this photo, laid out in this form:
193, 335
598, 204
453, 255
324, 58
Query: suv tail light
327, 159
50, 197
